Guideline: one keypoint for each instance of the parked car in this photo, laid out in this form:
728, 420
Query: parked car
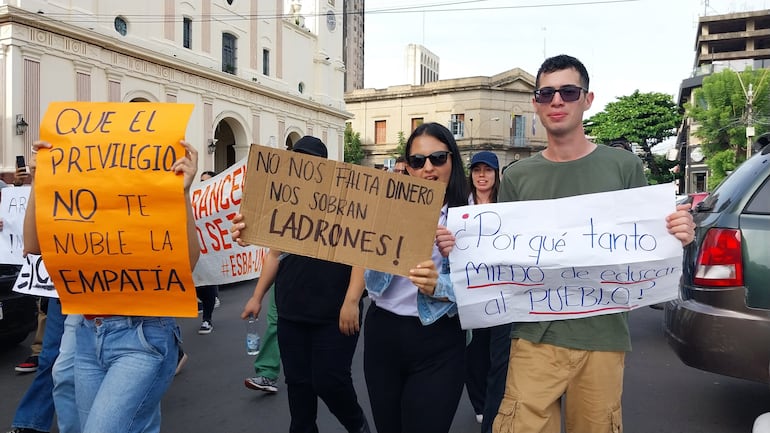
721, 323
694, 198
18, 312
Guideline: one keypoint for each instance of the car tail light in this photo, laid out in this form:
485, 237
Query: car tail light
720, 262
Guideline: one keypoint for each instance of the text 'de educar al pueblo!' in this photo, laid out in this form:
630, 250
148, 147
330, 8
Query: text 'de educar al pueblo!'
566, 258
111, 214
339, 212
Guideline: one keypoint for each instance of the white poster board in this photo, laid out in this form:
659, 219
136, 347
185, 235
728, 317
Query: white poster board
13, 205
566, 258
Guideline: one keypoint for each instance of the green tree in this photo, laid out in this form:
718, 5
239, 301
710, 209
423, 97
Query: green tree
646, 119
720, 163
666, 171
401, 147
354, 152
720, 109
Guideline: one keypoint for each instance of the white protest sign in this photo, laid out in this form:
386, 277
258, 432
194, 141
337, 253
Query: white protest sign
33, 278
566, 258
215, 202
13, 205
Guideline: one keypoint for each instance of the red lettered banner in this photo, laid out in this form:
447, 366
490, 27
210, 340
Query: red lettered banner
215, 202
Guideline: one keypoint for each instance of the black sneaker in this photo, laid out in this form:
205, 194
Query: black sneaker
24, 430
28, 366
206, 327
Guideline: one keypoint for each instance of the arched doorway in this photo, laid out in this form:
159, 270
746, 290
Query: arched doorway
292, 138
228, 133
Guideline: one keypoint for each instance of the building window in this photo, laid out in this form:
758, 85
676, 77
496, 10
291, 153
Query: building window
700, 182
229, 59
121, 26
519, 130
230, 2
301, 87
187, 32
266, 62
417, 121
457, 125
379, 132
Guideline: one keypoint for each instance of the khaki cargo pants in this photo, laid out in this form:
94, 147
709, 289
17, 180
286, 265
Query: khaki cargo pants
540, 374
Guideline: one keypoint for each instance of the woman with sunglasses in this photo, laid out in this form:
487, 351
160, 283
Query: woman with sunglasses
414, 350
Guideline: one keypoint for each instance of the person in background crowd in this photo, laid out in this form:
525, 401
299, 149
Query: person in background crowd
414, 348
207, 295
36, 409
400, 165
267, 364
30, 364
318, 324
487, 354
581, 359
123, 364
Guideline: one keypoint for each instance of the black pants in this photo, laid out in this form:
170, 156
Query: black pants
414, 373
207, 295
316, 363
477, 357
499, 353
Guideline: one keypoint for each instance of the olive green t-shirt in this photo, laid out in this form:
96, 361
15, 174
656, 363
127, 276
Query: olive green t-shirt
536, 178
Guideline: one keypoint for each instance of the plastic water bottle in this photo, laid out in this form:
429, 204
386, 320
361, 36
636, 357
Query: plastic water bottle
252, 337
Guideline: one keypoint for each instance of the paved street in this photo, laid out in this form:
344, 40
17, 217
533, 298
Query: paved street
661, 394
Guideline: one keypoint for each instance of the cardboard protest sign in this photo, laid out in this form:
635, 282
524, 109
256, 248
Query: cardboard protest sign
339, 212
13, 205
110, 213
567, 258
33, 278
215, 202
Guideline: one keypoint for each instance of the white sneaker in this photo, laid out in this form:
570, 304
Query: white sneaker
762, 424
261, 383
479, 418
206, 327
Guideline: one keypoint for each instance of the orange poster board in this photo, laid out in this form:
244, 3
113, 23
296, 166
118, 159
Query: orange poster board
110, 213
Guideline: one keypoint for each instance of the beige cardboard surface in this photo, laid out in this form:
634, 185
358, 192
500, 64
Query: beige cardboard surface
339, 212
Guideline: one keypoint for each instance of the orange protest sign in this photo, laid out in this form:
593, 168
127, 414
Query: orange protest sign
110, 213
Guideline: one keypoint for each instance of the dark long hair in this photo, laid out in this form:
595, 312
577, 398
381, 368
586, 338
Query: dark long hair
456, 190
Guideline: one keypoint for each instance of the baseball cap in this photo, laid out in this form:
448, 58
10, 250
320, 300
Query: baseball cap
311, 146
485, 157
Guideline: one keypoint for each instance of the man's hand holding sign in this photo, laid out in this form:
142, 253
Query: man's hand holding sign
565, 258
113, 218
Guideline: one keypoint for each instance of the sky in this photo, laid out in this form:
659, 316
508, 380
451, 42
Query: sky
626, 45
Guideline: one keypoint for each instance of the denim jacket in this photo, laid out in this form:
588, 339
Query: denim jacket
429, 308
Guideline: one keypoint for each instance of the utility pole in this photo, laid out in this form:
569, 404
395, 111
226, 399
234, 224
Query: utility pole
749, 120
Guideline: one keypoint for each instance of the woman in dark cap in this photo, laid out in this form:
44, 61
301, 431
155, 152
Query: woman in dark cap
486, 357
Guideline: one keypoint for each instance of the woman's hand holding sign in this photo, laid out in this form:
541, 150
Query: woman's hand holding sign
187, 165
425, 277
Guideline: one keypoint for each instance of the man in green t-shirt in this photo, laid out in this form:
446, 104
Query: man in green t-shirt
581, 359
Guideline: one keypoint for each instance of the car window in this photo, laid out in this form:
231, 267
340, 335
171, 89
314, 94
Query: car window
760, 203
735, 185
